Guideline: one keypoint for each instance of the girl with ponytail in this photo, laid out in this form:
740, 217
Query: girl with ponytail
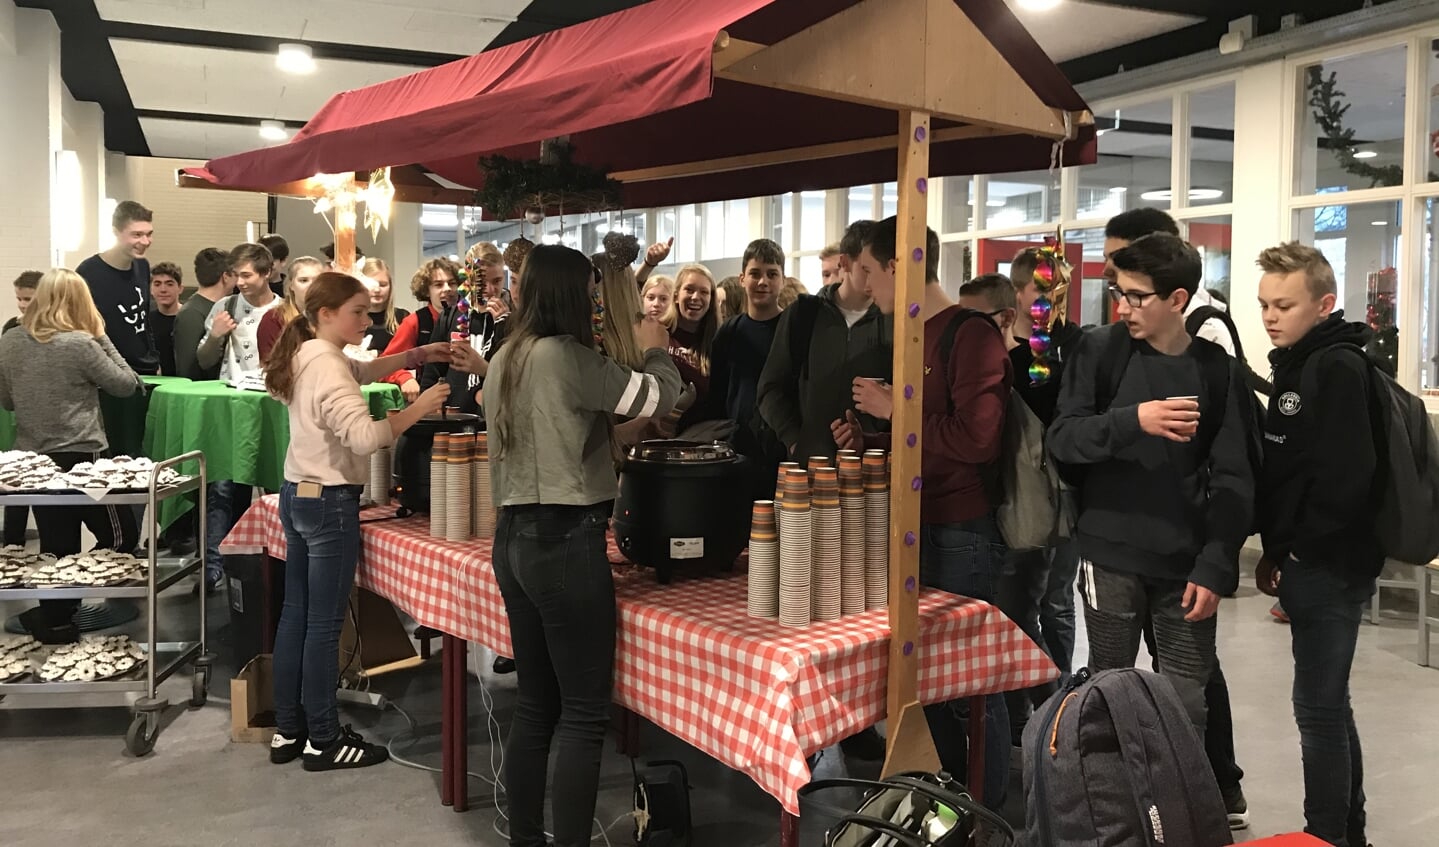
331, 438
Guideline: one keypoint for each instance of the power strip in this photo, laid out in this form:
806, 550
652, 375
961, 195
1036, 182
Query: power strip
370, 699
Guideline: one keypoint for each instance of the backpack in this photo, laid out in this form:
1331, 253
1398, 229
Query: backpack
1022, 484
1199, 317
911, 809
1112, 760
1406, 484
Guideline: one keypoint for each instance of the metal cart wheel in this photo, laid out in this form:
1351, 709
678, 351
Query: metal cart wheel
144, 729
199, 688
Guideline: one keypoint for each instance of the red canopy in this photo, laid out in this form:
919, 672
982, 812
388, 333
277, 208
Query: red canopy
638, 89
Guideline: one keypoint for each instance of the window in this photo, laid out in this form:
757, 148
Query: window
1364, 253
1211, 146
1018, 199
889, 200
861, 204
954, 265
1211, 237
957, 211
1136, 146
1351, 122
811, 221
1429, 303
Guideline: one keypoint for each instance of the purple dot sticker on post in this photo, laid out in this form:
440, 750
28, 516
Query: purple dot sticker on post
912, 440
916, 483
922, 184
920, 133
909, 539
909, 392
919, 254
908, 647
909, 584
913, 310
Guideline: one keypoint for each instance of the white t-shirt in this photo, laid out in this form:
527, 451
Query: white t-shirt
852, 318
1213, 329
242, 352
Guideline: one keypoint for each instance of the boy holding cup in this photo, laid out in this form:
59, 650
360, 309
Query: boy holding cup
1150, 428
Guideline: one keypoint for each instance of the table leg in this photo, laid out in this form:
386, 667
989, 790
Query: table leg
976, 748
788, 830
447, 723
461, 731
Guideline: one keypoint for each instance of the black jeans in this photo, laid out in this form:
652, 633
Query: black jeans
1019, 593
1219, 724
114, 528
322, 540
1116, 606
554, 574
1324, 611
16, 520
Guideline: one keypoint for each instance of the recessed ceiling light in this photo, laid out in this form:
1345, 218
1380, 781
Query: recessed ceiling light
1038, 5
295, 59
1379, 223
1366, 154
273, 131
1118, 189
1194, 194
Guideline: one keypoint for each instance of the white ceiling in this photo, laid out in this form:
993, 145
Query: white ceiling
460, 27
198, 140
1074, 28
216, 81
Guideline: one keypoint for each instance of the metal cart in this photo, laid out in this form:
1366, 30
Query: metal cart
163, 657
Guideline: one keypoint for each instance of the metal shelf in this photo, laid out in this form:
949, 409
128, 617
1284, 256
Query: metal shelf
168, 572
171, 655
77, 498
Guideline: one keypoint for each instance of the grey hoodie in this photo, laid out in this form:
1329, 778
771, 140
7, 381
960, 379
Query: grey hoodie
54, 389
800, 399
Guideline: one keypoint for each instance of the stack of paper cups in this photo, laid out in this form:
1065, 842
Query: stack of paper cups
439, 491
784, 468
381, 473
794, 551
876, 531
825, 600
484, 499
458, 481
851, 546
763, 562
815, 463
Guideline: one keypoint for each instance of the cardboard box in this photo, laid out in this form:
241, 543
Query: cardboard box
252, 702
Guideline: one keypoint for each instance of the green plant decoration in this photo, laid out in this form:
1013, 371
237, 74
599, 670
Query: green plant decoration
554, 181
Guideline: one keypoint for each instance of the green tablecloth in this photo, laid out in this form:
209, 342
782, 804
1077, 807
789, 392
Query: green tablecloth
244, 434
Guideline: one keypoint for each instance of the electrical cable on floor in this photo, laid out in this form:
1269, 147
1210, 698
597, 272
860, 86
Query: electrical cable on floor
492, 728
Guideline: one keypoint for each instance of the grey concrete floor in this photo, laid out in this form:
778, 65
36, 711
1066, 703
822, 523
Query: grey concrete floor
68, 780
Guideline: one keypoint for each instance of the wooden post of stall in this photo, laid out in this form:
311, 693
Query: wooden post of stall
345, 219
911, 746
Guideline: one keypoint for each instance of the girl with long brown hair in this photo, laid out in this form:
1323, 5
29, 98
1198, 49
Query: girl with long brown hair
326, 466
550, 397
52, 370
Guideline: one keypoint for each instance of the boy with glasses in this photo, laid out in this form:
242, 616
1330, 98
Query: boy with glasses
1151, 426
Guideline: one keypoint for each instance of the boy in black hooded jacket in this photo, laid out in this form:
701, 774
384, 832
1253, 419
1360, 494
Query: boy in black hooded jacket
1317, 519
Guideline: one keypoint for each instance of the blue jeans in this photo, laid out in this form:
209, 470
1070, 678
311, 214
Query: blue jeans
1324, 612
965, 559
225, 502
323, 539
554, 574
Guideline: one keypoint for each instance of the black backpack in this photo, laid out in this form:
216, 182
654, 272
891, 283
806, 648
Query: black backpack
1112, 760
1406, 485
1199, 317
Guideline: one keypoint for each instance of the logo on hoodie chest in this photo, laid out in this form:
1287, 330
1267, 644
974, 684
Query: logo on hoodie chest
1289, 404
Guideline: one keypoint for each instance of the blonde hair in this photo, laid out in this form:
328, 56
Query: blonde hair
709, 324
289, 307
791, 292
62, 304
621, 298
655, 281
368, 269
830, 252
486, 252
1292, 257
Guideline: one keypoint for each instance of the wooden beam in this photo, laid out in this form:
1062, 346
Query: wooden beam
728, 51
404, 193
832, 150
911, 747
923, 55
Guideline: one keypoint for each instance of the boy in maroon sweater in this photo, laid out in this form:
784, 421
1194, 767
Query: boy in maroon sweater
964, 401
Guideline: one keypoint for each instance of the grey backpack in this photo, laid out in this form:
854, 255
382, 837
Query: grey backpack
1112, 760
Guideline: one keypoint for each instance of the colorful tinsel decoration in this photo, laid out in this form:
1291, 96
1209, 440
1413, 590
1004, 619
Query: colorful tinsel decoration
1051, 278
462, 305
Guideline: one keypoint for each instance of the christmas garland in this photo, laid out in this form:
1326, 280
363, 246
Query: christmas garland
1327, 101
513, 186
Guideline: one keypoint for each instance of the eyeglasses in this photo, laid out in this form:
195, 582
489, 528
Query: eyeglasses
1135, 299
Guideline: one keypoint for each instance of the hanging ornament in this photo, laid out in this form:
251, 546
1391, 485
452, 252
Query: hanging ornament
598, 321
1051, 279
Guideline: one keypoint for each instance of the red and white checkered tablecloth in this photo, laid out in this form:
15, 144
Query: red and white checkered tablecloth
753, 694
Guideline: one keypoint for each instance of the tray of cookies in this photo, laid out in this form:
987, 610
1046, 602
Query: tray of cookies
96, 569
17, 657
21, 470
93, 660
121, 473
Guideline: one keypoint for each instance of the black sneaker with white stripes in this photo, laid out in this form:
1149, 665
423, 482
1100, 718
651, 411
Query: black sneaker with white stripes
349, 750
284, 749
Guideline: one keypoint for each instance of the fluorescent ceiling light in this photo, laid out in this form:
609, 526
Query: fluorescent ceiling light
1038, 5
1194, 194
1118, 189
1379, 223
1366, 154
295, 59
273, 131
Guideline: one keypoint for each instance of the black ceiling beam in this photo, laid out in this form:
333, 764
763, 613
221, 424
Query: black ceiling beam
201, 117
543, 16
90, 72
268, 44
1104, 124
